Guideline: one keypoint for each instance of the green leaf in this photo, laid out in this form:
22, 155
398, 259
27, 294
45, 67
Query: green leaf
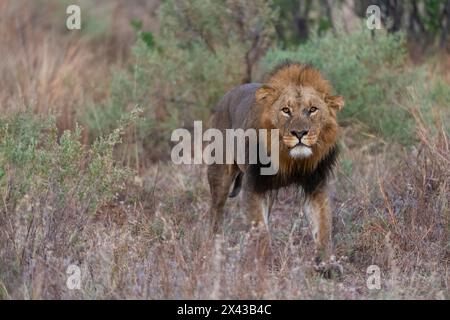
148, 38
136, 24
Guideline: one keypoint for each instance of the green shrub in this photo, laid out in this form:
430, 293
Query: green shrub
51, 189
204, 48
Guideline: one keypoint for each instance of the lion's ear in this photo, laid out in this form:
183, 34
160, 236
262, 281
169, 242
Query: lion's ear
335, 102
266, 91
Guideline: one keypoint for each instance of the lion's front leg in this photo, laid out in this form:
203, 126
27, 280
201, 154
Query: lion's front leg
318, 210
319, 213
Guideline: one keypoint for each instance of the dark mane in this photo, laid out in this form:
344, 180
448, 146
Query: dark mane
308, 181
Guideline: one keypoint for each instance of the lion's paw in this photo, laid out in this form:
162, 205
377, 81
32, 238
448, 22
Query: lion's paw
331, 269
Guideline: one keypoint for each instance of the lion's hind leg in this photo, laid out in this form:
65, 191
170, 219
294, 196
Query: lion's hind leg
220, 178
256, 208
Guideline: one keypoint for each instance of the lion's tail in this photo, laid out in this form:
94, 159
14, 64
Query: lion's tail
236, 186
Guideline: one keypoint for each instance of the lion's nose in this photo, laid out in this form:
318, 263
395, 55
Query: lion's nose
299, 134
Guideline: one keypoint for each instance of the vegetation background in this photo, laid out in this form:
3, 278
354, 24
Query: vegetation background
85, 171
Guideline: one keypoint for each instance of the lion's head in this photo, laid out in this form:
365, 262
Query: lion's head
298, 100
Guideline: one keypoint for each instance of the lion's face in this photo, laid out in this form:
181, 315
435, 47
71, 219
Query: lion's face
306, 119
300, 116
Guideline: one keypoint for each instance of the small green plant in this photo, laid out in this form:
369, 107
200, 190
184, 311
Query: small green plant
145, 36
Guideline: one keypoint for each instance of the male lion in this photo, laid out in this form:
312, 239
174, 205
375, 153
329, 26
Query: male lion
297, 100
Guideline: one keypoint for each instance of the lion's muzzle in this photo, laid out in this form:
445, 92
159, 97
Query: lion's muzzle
299, 148
305, 137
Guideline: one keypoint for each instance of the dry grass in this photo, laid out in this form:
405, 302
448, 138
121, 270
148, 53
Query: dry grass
391, 204
52, 70
152, 242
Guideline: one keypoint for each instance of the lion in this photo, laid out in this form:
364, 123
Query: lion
297, 100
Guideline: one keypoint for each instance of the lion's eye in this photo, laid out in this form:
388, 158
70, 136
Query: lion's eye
286, 110
312, 109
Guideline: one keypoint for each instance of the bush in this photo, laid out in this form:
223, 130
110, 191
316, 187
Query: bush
51, 188
204, 48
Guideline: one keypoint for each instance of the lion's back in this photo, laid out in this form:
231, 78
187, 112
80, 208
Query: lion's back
234, 107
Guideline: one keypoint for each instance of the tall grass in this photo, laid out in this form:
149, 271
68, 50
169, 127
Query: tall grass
51, 188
